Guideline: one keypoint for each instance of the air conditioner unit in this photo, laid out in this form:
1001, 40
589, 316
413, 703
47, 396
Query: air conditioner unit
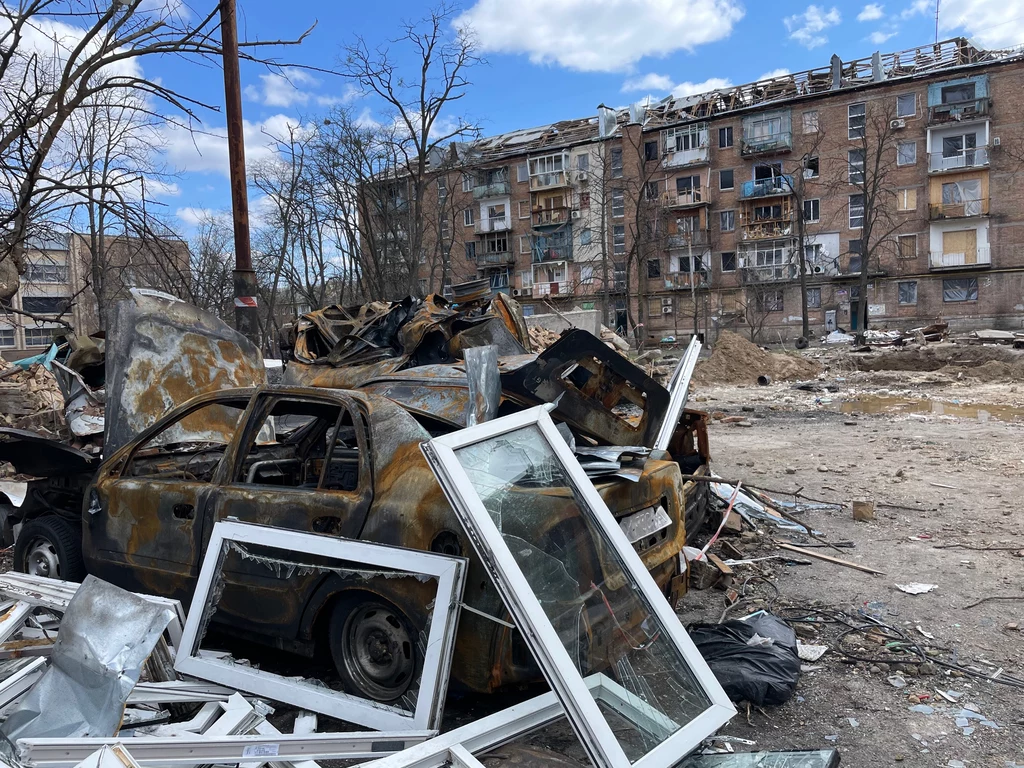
667, 309
577, 214
818, 270
898, 123
516, 292
581, 176
525, 292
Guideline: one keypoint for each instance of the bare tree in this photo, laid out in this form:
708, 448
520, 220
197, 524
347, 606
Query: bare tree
211, 263
418, 107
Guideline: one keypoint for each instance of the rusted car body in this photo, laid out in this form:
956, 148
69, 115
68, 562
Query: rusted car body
152, 507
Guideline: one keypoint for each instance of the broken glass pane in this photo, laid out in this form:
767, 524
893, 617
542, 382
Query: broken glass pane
600, 613
818, 758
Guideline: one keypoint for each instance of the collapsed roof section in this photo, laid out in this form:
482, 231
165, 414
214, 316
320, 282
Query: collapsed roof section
672, 110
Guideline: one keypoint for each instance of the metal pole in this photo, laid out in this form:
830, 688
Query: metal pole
246, 312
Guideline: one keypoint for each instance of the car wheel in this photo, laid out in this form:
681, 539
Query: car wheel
49, 546
373, 648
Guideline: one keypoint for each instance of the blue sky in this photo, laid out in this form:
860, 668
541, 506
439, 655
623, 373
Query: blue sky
548, 60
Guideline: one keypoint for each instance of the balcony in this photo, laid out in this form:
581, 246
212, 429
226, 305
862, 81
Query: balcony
494, 258
961, 210
552, 253
496, 224
773, 187
686, 197
698, 156
551, 289
551, 180
980, 257
764, 145
957, 111
494, 189
681, 280
549, 217
769, 274
698, 238
767, 230
973, 157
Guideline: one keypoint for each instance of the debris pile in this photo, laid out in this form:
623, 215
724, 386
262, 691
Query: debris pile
30, 397
735, 360
542, 338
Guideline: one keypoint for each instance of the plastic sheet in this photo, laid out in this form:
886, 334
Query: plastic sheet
105, 637
759, 673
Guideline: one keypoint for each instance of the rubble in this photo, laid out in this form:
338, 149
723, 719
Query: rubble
735, 360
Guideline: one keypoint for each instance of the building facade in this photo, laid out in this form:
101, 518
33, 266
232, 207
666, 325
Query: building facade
692, 214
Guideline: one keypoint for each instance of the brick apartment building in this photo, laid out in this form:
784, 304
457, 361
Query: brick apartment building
688, 213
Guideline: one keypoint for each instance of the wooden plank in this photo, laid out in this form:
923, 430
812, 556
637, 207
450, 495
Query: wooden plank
717, 562
829, 559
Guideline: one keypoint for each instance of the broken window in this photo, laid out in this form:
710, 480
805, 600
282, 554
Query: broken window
906, 153
906, 105
584, 200
768, 212
812, 210
725, 179
964, 195
650, 150
769, 300
686, 138
442, 187
855, 159
810, 121
727, 220
583, 162
46, 273
651, 190
725, 137
907, 292
400, 686
616, 162
960, 289
471, 251
814, 298
45, 305
522, 172
856, 120
586, 236
580, 592
959, 93
856, 211
767, 171
811, 167
728, 261
654, 267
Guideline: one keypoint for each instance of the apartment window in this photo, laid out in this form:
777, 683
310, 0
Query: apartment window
471, 251
686, 138
651, 190
956, 94
725, 179
856, 211
468, 217
906, 199
526, 279
906, 105
584, 200
618, 203
616, 162
6, 337
728, 261
619, 276
524, 243
583, 162
654, 267
767, 212
906, 153
855, 158
767, 171
522, 172
906, 293
907, 246
770, 300
445, 229
856, 120
854, 246
814, 298
524, 209
46, 273
650, 150
586, 237
727, 220
810, 121
812, 210
960, 289
39, 337
467, 182
960, 147
442, 187
618, 240
586, 274
45, 305
725, 137
812, 166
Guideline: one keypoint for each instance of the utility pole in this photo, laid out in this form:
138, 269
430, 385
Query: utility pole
246, 311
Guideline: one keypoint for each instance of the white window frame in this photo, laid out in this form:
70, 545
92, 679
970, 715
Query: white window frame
525, 245
732, 221
450, 573
468, 217
862, 113
809, 120
862, 210
899, 153
815, 204
522, 172
576, 694
618, 203
524, 209
679, 390
902, 199
467, 182
855, 168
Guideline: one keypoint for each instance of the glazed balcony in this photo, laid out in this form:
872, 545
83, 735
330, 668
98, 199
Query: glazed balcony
494, 189
973, 157
767, 145
495, 224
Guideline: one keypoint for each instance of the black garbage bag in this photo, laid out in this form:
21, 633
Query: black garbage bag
761, 673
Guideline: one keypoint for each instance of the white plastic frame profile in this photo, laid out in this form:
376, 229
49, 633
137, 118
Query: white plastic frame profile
574, 693
678, 389
449, 572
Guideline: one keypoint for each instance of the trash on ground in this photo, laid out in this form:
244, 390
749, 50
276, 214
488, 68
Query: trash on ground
916, 588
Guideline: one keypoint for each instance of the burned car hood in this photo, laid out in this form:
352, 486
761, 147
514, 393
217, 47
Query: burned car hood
33, 454
161, 352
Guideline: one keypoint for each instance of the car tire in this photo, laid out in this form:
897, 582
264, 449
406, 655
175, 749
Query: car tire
373, 647
50, 546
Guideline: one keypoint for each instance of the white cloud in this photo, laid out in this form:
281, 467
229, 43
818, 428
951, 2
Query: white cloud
282, 89
880, 36
598, 35
205, 150
871, 12
689, 89
193, 217
917, 8
649, 82
989, 23
806, 27
782, 72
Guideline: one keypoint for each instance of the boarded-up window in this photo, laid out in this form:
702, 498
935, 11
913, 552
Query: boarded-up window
960, 289
962, 244
907, 246
906, 199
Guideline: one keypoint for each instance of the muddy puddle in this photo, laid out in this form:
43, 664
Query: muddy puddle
976, 411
